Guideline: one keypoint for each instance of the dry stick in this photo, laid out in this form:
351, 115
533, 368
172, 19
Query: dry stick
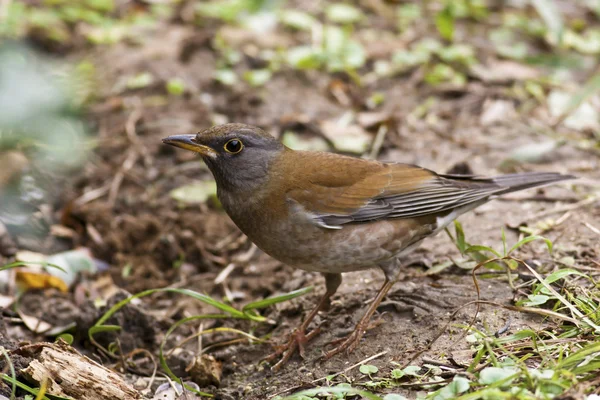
592, 228
149, 354
118, 179
378, 142
91, 195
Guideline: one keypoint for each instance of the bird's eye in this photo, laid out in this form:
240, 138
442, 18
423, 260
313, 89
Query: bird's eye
234, 146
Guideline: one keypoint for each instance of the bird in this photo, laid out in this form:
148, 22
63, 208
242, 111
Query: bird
331, 213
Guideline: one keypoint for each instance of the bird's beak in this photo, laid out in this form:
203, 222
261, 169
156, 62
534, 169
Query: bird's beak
188, 142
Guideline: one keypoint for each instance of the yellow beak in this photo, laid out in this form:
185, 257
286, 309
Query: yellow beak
188, 142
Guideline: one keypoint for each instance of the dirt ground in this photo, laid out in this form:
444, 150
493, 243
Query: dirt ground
134, 222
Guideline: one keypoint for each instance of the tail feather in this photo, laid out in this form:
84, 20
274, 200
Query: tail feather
515, 182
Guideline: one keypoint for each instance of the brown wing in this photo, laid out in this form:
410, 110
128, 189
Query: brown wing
349, 190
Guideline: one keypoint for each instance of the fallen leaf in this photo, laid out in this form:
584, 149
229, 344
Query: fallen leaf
34, 324
305, 143
174, 391
371, 119
583, 117
345, 137
503, 72
198, 192
497, 110
29, 280
534, 152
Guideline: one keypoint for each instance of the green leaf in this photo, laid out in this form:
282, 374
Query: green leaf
175, 86
453, 389
397, 373
443, 73
531, 239
394, 396
226, 77
333, 390
140, 81
198, 192
103, 328
562, 273
536, 300
444, 21
257, 77
67, 337
304, 57
298, 20
460, 237
492, 375
507, 44
458, 53
479, 248
368, 369
343, 13
412, 370
552, 17
277, 299
407, 14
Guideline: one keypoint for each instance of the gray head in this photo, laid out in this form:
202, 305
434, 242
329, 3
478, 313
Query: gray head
238, 155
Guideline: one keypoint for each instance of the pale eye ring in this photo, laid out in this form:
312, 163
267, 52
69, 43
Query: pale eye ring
234, 146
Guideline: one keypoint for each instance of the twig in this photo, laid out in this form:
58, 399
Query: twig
592, 228
118, 179
378, 142
91, 195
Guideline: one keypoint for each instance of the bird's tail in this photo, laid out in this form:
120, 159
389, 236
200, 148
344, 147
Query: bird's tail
515, 182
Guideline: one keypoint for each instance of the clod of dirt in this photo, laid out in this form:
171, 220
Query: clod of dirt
205, 370
19, 361
138, 329
7, 245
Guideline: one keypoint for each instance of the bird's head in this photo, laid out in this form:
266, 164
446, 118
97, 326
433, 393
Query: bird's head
239, 156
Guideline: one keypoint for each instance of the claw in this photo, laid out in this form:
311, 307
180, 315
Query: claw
297, 340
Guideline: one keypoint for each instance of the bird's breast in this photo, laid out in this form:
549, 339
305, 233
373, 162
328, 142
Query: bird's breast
290, 236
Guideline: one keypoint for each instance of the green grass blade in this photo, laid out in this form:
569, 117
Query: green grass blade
269, 301
531, 239
13, 375
30, 390
478, 249
25, 263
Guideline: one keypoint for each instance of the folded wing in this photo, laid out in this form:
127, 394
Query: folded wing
406, 191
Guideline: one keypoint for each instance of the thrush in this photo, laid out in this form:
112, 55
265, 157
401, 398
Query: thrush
332, 213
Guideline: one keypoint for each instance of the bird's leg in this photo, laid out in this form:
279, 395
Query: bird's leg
353, 339
298, 337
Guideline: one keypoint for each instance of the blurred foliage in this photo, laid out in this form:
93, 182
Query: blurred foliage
39, 104
330, 39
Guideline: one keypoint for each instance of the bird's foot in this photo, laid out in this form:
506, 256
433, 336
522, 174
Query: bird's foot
348, 344
297, 341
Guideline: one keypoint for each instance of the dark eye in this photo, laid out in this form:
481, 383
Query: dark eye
234, 146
